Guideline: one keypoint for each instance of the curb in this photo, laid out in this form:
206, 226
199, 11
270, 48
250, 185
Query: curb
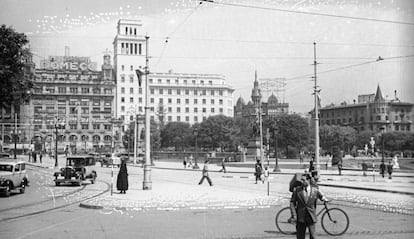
88, 206
366, 189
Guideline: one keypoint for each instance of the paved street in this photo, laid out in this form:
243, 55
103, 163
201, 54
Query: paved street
234, 207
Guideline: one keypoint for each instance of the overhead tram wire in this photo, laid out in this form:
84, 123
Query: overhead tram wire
175, 30
350, 66
309, 13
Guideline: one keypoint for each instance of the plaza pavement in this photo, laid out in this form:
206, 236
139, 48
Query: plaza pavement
176, 195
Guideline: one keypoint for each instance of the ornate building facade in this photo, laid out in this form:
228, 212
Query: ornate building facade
371, 112
250, 110
73, 103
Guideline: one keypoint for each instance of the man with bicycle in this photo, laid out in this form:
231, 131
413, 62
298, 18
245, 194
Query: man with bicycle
303, 207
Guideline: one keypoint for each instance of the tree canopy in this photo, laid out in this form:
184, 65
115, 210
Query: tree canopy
15, 81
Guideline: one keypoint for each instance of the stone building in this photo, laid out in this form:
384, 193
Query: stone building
371, 112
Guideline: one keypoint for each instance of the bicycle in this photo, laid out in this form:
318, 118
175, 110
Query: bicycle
335, 221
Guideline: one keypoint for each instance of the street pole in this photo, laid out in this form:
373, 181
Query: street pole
15, 134
316, 92
196, 148
56, 149
276, 169
147, 184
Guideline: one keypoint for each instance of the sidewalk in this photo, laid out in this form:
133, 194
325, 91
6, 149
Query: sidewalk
176, 194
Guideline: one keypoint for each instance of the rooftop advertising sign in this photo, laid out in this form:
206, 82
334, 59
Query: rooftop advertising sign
68, 65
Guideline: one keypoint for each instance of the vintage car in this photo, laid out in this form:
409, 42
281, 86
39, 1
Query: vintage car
4, 155
13, 176
110, 160
78, 168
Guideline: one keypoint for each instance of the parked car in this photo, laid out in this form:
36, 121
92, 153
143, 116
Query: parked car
110, 160
78, 168
13, 176
4, 155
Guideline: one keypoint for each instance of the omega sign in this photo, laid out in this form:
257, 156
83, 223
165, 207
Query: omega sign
72, 66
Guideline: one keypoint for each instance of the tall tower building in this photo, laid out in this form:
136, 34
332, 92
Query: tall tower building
184, 97
129, 55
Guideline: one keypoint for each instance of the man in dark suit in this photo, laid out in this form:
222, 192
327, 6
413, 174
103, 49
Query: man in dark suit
303, 207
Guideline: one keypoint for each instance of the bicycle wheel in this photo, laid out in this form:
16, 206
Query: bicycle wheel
283, 222
335, 221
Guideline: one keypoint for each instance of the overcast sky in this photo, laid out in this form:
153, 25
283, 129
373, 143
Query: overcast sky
235, 38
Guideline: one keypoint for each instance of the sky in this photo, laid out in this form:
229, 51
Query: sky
274, 38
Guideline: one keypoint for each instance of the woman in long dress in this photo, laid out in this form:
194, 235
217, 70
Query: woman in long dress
122, 179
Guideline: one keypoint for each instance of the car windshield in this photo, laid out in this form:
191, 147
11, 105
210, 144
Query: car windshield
7, 168
76, 162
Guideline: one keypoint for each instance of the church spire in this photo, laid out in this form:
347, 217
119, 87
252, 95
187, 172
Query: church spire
378, 95
256, 95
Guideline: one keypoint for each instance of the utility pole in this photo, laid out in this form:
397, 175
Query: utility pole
147, 184
135, 138
316, 93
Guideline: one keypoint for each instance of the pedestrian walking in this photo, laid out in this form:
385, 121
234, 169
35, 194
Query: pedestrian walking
303, 207
205, 174
185, 162
390, 168
223, 165
258, 170
340, 167
40, 157
382, 169
190, 163
312, 169
122, 179
364, 168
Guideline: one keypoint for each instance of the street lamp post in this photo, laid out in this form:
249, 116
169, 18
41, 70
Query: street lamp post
268, 146
382, 144
196, 148
276, 169
15, 135
58, 125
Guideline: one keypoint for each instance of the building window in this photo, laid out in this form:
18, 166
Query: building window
178, 118
187, 110
131, 99
212, 92
122, 78
187, 92
187, 101
169, 118
152, 100
85, 126
131, 79
178, 109
170, 109
212, 101
62, 89
169, 100
187, 118
122, 90
178, 101
204, 101
195, 92
131, 67
178, 92
220, 101
131, 90
195, 101
169, 91
161, 91
122, 99
204, 110
195, 110
122, 108
122, 67
152, 91
212, 110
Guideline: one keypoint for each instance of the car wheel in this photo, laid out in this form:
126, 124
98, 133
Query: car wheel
57, 183
23, 188
7, 191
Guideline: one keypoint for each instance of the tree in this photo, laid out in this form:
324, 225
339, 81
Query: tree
216, 132
291, 129
15, 81
337, 136
176, 134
